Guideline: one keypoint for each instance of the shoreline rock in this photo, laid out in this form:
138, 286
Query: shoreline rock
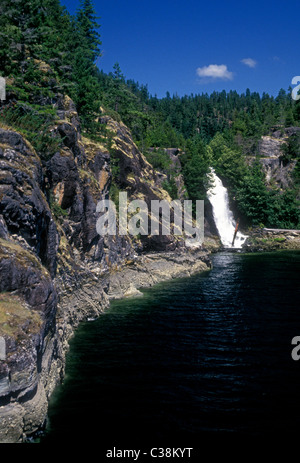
267, 239
25, 414
150, 269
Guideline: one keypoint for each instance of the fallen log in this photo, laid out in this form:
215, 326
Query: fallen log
235, 232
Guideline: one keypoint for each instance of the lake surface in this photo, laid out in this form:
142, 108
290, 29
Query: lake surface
203, 356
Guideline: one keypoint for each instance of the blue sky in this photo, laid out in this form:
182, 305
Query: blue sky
190, 46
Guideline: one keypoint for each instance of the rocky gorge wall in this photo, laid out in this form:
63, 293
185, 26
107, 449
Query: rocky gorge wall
55, 269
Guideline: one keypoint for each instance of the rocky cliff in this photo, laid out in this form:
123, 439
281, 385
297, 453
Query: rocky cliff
278, 171
55, 269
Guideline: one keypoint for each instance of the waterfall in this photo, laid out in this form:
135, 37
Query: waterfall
223, 216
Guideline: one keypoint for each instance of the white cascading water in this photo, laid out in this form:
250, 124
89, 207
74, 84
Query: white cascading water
223, 217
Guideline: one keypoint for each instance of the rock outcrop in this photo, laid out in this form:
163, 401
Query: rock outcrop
149, 269
270, 151
271, 239
23, 205
270, 146
55, 269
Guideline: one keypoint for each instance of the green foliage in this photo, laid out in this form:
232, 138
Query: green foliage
41, 31
159, 159
228, 161
296, 174
56, 209
247, 187
35, 125
291, 149
252, 196
114, 165
284, 210
88, 26
162, 134
171, 187
114, 191
196, 163
83, 51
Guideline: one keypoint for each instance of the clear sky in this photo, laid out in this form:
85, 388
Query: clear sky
192, 46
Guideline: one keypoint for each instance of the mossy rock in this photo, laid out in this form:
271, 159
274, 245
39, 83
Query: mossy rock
16, 318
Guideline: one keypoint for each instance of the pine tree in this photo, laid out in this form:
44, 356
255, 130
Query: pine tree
32, 30
84, 45
88, 29
196, 164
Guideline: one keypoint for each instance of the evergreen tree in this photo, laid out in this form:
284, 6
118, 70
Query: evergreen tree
196, 164
252, 196
88, 30
85, 51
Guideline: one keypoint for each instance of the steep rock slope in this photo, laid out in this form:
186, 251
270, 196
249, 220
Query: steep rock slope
278, 170
55, 269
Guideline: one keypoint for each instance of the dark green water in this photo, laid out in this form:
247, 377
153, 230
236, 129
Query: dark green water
203, 356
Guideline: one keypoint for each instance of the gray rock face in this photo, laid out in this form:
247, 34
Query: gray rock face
151, 269
277, 172
23, 206
3, 228
270, 151
28, 303
270, 146
55, 269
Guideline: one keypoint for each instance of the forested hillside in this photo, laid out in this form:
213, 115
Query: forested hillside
46, 52
222, 130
